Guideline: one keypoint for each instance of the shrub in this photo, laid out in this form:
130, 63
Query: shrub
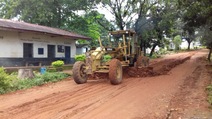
39, 80
163, 52
58, 65
5, 81
209, 89
81, 57
51, 70
53, 77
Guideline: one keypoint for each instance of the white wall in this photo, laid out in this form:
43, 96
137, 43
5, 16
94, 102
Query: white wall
80, 51
184, 44
11, 44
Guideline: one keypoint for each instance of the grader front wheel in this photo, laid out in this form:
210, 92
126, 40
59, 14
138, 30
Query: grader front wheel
115, 72
79, 74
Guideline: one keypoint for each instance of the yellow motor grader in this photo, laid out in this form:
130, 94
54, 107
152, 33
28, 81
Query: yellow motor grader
122, 50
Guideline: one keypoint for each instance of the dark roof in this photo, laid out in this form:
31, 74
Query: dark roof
23, 26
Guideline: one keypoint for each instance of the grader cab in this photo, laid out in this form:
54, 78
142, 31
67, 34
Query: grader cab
122, 50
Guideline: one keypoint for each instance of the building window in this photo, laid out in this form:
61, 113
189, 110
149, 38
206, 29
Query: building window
40, 51
60, 48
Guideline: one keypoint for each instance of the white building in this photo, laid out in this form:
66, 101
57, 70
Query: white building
184, 44
29, 44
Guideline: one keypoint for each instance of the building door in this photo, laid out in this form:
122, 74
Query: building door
51, 51
67, 54
28, 50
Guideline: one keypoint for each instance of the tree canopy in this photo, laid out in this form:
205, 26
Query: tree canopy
153, 20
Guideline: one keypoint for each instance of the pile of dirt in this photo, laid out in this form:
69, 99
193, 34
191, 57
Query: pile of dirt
138, 72
155, 70
171, 64
159, 68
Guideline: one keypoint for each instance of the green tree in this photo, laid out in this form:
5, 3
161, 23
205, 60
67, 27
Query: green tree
53, 13
163, 19
177, 41
143, 16
196, 14
206, 39
123, 11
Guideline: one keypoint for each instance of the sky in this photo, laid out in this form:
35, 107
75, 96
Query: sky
104, 11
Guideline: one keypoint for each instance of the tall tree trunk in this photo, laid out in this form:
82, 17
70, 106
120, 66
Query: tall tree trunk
189, 44
152, 50
144, 48
209, 54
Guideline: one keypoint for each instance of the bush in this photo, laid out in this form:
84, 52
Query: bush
58, 65
51, 70
163, 52
209, 89
17, 84
5, 81
53, 77
81, 57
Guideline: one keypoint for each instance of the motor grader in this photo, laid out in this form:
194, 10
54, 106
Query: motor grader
123, 50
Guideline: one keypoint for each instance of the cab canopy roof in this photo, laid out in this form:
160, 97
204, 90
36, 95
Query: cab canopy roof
120, 33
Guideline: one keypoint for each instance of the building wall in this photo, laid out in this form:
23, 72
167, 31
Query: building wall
81, 50
11, 44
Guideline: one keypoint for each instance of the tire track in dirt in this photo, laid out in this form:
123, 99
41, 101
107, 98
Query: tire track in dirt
84, 94
186, 102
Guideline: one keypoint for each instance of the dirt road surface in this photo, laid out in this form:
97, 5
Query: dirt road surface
174, 90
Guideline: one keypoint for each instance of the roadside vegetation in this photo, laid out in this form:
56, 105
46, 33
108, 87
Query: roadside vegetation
209, 89
10, 82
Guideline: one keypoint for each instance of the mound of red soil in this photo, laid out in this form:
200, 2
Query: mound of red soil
160, 69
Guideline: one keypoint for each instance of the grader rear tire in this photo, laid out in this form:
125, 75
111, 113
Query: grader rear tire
79, 75
115, 72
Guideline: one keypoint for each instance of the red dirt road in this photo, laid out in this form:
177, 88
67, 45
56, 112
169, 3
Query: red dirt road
177, 94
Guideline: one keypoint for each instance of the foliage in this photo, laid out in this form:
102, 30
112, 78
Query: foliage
81, 57
54, 13
106, 58
163, 51
17, 84
209, 89
51, 69
52, 77
123, 11
154, 55
196, 14
5, 80
160, 22
57, 64
177, 41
